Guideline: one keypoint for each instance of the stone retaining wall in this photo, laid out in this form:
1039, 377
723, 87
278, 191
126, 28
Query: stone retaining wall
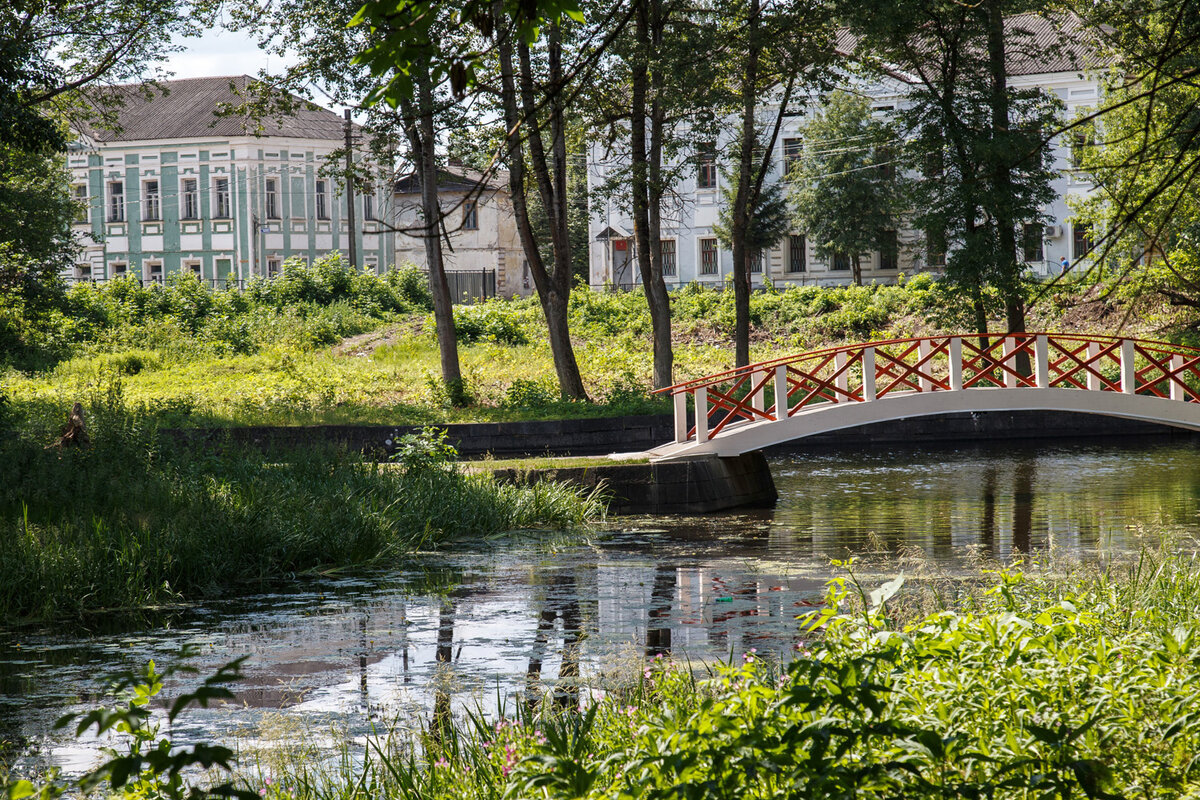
695, 486
567, 437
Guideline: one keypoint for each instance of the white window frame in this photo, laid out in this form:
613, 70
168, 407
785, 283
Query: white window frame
151, 203
116, 201
83, 212
716, 259
189, 205
271, 198
222, 200
322, 199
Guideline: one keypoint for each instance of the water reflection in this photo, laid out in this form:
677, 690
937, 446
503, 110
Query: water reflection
460, 629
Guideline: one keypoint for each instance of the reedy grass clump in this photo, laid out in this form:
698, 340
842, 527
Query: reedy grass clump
1041, 684
131, 521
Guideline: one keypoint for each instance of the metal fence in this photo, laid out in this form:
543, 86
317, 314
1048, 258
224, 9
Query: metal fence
471, 286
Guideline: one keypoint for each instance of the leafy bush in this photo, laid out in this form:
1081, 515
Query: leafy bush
491, 321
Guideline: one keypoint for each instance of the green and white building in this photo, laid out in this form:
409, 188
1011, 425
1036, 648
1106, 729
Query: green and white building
182, 187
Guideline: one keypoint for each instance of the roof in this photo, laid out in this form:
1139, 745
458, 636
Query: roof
1036, 44
190, 108
460, 179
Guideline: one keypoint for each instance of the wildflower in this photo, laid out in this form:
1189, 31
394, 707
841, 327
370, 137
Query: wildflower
442, 762
648, 674
262, 792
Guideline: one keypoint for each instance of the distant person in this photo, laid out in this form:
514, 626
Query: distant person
1065, 263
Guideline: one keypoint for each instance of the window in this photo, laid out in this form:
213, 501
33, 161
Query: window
191, 199
889, 250
322, 200
797, 254
194, 268
935, 247
886, 159
1081, 141
470, 217
706, 165
841, 262
155, 271
221, 187
118, 270
708, 256
223, 268
116, 202
83, 272
272, 267
1083, 239
81, 203
1031, 242
756, 262
666, 255
792, 150
150, 201
272, 199
368, 206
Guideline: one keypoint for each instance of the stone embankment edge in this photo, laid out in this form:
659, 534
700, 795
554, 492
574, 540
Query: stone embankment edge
695, 486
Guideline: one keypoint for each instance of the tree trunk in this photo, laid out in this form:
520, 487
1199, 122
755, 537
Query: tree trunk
1006, 237
647, 189
856, 264
553, 288
741, 203
422, 138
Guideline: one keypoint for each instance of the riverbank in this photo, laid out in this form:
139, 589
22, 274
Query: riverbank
314, 349
1050, 678
1020, 683
130, 522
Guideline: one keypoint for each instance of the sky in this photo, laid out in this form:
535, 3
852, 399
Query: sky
220, 52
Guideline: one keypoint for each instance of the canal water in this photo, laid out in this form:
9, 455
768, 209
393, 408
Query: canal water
487, 627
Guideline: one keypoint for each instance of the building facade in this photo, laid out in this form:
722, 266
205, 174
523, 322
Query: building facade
478, 223
690, 248
183, 187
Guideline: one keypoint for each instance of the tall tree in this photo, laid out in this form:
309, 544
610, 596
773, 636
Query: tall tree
529, 125
1141, 148
318, 35
776, 49
845, 185
977, 139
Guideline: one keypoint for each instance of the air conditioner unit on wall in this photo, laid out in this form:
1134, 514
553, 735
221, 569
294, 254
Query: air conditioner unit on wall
1052, 232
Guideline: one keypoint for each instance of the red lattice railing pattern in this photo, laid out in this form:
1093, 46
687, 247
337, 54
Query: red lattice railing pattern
873, 370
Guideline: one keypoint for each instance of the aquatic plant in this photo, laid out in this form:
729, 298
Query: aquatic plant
133, 521
1038, 685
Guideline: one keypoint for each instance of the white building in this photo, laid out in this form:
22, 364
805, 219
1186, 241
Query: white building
184, 187
479, 226
691, 251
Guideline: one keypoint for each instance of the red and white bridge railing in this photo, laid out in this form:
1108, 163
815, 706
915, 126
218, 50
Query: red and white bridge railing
870, 372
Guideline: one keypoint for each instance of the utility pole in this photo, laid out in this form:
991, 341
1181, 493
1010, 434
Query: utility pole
350, 193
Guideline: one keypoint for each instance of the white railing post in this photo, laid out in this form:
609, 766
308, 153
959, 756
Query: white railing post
681, 426
868, 372
924, 348
956, 363
781, 392
702, 414
1010, 374
1041, 348
1093, 379
1128, 370
841, 381
758, 400
1177, 392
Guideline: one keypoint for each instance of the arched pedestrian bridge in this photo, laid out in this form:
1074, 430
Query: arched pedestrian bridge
772, 402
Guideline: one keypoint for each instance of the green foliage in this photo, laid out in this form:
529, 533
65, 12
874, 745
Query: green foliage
137, 519
1033, 684
150, 767
768, 221
846, 194
491, 321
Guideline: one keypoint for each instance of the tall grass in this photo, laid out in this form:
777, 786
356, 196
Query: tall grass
130, 522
